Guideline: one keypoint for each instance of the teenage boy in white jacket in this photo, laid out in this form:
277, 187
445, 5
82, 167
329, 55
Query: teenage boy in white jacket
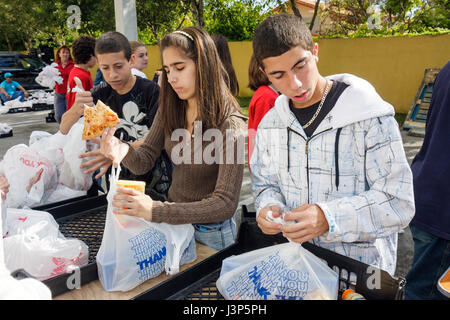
329, 156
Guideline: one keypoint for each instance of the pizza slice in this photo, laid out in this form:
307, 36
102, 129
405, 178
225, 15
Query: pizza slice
97, 119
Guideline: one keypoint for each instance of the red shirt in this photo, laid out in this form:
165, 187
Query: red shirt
64, 71
262, 101
86, 80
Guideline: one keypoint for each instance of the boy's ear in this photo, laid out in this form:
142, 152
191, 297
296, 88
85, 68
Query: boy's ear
132, 58
316, 51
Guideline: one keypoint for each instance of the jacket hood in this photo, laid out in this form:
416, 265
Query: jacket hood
358, 102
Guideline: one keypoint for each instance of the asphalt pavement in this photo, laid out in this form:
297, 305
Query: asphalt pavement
24, 123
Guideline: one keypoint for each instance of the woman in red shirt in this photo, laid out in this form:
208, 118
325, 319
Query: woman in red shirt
65, 65
262, 101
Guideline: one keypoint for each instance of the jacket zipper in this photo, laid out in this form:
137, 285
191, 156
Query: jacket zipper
307, 157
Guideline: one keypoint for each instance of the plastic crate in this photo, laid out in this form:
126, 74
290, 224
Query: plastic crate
198, 282
20, 274
84, 218
6, 135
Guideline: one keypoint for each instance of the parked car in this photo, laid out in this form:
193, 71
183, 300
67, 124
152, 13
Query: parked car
23, 67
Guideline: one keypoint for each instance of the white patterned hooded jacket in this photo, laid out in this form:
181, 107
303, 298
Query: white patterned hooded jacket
353, 167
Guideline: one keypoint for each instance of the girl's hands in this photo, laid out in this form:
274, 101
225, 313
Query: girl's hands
133, 203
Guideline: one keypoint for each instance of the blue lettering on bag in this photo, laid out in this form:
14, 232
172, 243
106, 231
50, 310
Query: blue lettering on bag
149, 249
152, 259
256, 279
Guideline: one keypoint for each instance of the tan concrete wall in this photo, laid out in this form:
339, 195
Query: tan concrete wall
393, 65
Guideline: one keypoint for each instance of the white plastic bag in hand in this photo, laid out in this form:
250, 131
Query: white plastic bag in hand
35, 244
72, 176
134, 250
282, 272
32, 177
49, 76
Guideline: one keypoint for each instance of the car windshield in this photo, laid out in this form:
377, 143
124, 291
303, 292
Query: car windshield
8, 62
28, 62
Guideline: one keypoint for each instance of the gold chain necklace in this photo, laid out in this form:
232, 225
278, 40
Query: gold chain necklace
320, 106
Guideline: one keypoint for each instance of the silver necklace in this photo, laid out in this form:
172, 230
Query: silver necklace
320, 105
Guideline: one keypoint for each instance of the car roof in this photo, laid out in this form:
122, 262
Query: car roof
7, 53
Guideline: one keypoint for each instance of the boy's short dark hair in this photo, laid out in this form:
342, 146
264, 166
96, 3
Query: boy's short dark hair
278, 34
83, 49
112, 42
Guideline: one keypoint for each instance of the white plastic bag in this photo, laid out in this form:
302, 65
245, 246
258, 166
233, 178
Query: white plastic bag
134, 250
3, 216
38, 135
49, 76
18, 221
26, 168
35, 244
16, 103
13, 289
71, 174
49, 146
5, 128
63, 193
282, 272
3, 109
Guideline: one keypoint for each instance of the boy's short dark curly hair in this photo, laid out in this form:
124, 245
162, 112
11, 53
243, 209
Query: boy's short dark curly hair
278, 34
83, 49
112, 42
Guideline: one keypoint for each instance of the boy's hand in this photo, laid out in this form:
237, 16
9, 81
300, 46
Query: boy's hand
267, 226
98, 161
311, 223
112, 148
81, 98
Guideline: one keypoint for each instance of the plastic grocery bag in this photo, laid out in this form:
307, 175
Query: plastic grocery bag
3, 217
62, 193
71, 175
35, 244
5, 128
32, 176
49, 76
18, 221
49, 146
134, 250
282, 272
13, 289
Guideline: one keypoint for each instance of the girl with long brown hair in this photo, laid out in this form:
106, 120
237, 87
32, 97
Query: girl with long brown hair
199, 125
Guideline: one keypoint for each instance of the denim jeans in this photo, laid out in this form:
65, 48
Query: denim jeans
431, 259
60, 105
14, 96
216, 235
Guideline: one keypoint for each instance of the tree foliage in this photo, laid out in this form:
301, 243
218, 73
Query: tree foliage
32, 23
158, 17
236, 20
359, 18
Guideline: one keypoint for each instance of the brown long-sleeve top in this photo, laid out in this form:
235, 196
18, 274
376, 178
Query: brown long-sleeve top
200, 192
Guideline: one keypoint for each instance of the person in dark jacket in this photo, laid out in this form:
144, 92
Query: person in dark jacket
431, 171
